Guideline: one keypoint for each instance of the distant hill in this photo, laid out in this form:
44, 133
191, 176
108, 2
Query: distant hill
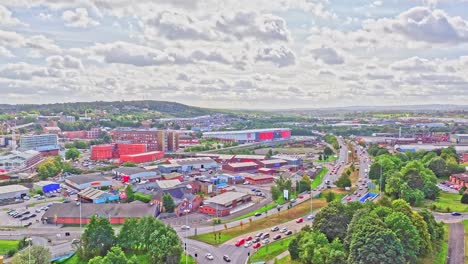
394, 108
167, 109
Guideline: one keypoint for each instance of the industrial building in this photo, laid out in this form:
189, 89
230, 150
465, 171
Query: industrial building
46, 186
47, 144
296, 160
190, 164
17, 161
155, 140
259, 179
169, 168
274, 163
240, 167
13, 191
254, 135
219, 158
459, 138
248, 158
83, 181
142, 157
52, 130
97, 196
130, 174
222, 204
113, 151
69, 213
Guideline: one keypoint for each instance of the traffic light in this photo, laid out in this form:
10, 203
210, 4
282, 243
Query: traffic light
185, 246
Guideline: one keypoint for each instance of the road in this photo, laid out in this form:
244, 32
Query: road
456, 244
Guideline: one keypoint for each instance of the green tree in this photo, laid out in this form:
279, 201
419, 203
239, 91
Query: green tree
128, 235
114, 256
129, 164
464, 198
168, 203
330, 196
129, 193
72, 154
403, 228
304, 184
328, 151
97, 238
275, 193
315, 248
333, 220
37, 255
165, 247
343, 181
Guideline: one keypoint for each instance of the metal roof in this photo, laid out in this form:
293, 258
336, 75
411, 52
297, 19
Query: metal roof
85, 178
44, 183
134, 209
242, 164
91, 193
129, 170
226, 198
192, 161
273, 161
13, 188
167, 184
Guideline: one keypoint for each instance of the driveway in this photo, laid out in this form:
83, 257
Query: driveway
456, 250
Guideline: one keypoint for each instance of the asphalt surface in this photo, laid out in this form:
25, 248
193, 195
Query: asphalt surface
456, 244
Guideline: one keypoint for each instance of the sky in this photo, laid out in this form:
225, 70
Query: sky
257, 54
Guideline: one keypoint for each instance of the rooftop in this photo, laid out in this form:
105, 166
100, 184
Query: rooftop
243, 131
226, 198
44, 183
18, 156
91, 193
144, 154
260, 157
172, 175
273, 161
242, 164
13, 188
259, 177
134, 209
168, 184
190, 161
85, 178
129, 170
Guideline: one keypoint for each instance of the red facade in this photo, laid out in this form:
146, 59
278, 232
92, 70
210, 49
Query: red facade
207, 209
286, 134
102, 152
130, 149
266, 135
143, 157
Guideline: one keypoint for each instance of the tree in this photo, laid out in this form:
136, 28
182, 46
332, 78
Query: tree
72, 154
97, 238
328, 151
438, 166
114, 256
304, 184
315, 248
269, 153
38, 255
333, 220
464, 198
129, 193
129, 164
404, 229
168, 203
343, 181
330, 196
165, 246
275, 193
128, 235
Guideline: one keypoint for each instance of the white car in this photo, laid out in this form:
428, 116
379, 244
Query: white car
185, 227
310, 217
209, 256
284, 230
248, 244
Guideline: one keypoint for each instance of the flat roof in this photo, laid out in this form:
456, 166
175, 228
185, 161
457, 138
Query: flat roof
217, 156
85, 178
144, 154
13, 188
244, 131
167, 184
172, 165
44, 183
172, 175
273, 161
190, 161
226, 198
91, 193
242, 164
259, 176
134, 209
129, 170
250, 157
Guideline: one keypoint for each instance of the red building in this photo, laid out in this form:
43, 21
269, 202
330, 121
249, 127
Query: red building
259, 179
155, 140
248, 158
460, 179
142, 157
75, 134
266, 171
274, 163
130, 149
103, 152
465, 158
222, 204
240, 167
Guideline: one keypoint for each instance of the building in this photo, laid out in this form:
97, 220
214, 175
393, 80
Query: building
460, 179
173, 176
155, 140
46, 143
103, 152
69, 213
135, 174
459, 138
267, 171
13, 191
142, 157
240, 167
292, 160
219, 158
190, 164
80, 134
52, 130
464, 158
130, 149
17, 161
83, 181
254, 135
274, 163
248, 158
222, 204
183, 198
97, 196
169, 168
68, 119
46, 186
259, 179
168, 184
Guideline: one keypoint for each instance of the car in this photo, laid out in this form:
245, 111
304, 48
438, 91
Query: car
75, 241
248, 238
258, 214
266, 235
254, 190
310, 217
289, 233
301, 197
279, 206
274, 229
265, 241
256, 240
66, 201
359, 195
185, 227
293, 200
256, 246
26, 198
284, 230
26, 212
259, 234
226, 258
248, 244
348, 198
28, 224
240, 242
41, 197
24, 218
360, 188
246, 183
355, 193
277, 237
49, 205
209, 256
36, 196
299, 220
33, 215
456, 214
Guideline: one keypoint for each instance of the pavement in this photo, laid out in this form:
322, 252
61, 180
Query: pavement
456, 249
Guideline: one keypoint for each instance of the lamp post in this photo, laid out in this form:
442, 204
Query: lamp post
29, 249
186, 229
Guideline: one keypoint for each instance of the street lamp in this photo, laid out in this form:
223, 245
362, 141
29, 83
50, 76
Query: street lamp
29, 249
186, 229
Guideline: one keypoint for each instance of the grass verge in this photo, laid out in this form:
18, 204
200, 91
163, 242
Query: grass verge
287, 260
7, 245
439, 256
318, 179
447, 202
270, 251
465, 223
251, 226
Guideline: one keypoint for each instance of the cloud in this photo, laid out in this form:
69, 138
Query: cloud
22, 71
78, 18
6, 18
423, 24
5, 53
327, 55
413, 64
64, 62
278, 55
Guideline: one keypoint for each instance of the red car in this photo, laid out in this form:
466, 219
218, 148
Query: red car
300, 220
348, 198
248, 238
301, 197
256, 246
240, 242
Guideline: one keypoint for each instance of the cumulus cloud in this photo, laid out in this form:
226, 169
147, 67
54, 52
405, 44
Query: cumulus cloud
414, 64
5, 53
278, 55
78, 18
64, 62
327, 55
6, 18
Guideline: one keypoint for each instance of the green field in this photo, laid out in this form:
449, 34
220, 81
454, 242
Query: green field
7, 245
287, 260
264, 208
446, 201
270, 251
318, 179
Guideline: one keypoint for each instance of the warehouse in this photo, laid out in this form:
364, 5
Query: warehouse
13, 191
97, 196
142, 157
190, 164
132, 174
93, 180
248, 158
292, 160
46, 186
219, 158
254, 135
69, 213
169, 168
274, 163
240, 167
103, 152
222, 204
259, 179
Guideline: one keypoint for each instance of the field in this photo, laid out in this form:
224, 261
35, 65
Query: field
285, 150
263, 209
7, 245
247, 227
318, 179
270, 251
329, 159
447, 202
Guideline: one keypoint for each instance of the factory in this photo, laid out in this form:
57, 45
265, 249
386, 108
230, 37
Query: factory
189, 164
249, 136
83, 181
46, 186
13, 191
459, 138
222, 204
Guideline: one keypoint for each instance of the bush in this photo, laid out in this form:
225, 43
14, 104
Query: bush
464, 199
11, 252
142, 197
216, 221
